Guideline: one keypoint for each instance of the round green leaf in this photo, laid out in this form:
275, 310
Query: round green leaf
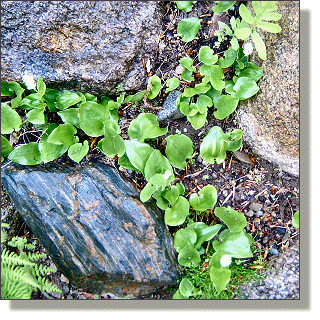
77, 151
206, 55
157, 182
213, 74
135, 97
155, 87
138, 153
189, 257
179, 148
27, 154
36, 116
188, 109
245, 88
221, 6
204, 232
251, 71
10, 119
67, 99
188, 28
235, 220
171, 194
186, 287
178, 294
229, 58
185, 5
188, 64
198, 120
220, 277
203, 103
145, 126
70, 116
172, 84
112, 144
205, 199
63, 134
184, 237
225, 105
177, 214
92, 116
6, 147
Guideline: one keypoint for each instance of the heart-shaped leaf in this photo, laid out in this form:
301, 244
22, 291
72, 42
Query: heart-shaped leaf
171, 194
199, 88
27, 154
225, 105
221, 6
10, 119
185, 5
204, 232
220, 278
63, 134
229, 58
157, 182
179, 148
172, 84
186, 287
36, 116
145, 126
70, 116
156, 86
184, 237
214, 75
67, 99
245, 88
203, 103
189, 257
78, 151
6, 147
251, 71
205, 199
206, 56
188, 28
8, 89
112, 144
177, 214
235, 220
198, 120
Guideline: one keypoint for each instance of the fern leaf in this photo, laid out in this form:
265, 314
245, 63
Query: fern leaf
259, 45
11, 258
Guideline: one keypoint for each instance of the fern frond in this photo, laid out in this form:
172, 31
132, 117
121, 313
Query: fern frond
11, 258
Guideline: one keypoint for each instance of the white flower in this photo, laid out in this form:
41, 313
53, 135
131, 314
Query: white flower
29, 81
167, 174
225, 260
247, 48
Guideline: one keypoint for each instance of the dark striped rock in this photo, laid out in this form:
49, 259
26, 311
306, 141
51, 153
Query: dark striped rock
95, 228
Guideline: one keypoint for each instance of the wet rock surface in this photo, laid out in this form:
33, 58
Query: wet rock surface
94, 227
270, 120
83, 45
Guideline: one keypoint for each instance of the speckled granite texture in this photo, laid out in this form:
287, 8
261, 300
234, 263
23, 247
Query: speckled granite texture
282, 282
170, 110
270, 120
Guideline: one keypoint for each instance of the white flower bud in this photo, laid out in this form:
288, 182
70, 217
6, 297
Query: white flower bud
167, 174
247, 48
225, 260
29, 81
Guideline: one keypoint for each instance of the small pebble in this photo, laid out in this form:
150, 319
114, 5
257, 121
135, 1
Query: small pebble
249, 213
185, 130
170, 110
255, 206
281, 230
274, 251
259, 213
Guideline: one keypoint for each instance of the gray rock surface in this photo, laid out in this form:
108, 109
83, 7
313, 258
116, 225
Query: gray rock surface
170, 110
80, 45
282, 282
270, 120
94, 227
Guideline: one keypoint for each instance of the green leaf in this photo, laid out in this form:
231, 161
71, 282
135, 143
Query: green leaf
225, 105
187, 75
8, 89
222, 6
188, 109
246, 14
70, 116
270, 27
243, 33
205, 199
214, 75
189, 257
259, 45
178, 149
125, 162
295, 218
251, 71
204, 232
203, 103
186, 287
145, 126
155, 87
63, 134
36, 116
178, 294
77, 151
233, 139
188, 28
157, 182
213, 147
172, 84
41, 87
177, 214
50, 97
6, 147
135, 97
228, 60
235, 220
112, 144
199, 88
10, 119
220, 278
138, 153
184, 237
245, 88
92, 116
67, 99
171, 194
185, 5
236, 244
206, 56
157, 163
198, 120
50, 151
27, 154
188, 64
32, 101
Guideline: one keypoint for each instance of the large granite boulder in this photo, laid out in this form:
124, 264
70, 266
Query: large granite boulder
94, 227
81, 45
270, 120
